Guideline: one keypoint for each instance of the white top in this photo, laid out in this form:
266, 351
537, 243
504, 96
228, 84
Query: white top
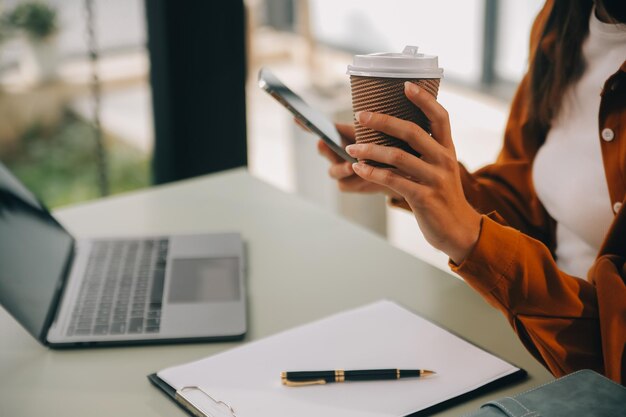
568, 172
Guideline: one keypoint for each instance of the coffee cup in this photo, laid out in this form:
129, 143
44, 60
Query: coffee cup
377, 84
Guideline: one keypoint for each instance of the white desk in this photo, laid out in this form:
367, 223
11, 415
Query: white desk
304, 264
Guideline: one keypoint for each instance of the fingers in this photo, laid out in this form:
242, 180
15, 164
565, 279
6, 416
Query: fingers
346, 131
388, 178
438, 116
406, 163
404, 130
328, 153
340, 171
356, 184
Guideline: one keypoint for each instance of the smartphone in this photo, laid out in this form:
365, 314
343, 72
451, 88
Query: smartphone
313, 119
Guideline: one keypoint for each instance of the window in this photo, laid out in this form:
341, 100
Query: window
49, 101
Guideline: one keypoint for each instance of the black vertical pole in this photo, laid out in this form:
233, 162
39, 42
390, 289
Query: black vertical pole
490, 34
197, 57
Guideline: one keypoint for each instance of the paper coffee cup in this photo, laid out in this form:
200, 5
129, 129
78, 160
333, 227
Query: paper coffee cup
377, 83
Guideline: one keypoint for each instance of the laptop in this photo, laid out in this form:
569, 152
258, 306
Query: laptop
71, 292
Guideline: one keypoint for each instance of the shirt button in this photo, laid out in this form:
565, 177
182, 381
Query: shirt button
616, 207
607, 134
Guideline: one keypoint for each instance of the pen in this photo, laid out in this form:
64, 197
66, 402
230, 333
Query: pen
302, 378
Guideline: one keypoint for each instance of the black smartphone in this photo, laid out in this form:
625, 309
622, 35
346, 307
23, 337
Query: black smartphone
314, 120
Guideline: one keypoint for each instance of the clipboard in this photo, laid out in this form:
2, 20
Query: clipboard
188, 406
245, 381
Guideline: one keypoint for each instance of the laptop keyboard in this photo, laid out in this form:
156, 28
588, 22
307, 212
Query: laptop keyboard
122, 291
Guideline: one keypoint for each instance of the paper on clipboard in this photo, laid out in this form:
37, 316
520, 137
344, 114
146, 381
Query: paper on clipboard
379, 335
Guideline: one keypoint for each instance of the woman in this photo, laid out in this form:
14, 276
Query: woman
541, 233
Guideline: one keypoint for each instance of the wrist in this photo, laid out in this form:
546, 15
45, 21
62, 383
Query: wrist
466, 239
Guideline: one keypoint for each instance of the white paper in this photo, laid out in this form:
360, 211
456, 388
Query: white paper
379, 335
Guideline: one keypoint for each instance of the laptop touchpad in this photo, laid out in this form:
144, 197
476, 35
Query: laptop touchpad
201, 280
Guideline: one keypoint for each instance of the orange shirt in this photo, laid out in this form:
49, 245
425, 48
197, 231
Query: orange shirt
566, 322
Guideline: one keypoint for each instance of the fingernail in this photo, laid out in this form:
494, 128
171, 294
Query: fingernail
351, 149
411, 88
356, 166
363, 116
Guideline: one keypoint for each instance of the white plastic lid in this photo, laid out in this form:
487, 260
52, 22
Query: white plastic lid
408, 64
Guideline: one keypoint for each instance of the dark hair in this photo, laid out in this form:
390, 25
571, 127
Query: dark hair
615, 8
557, 61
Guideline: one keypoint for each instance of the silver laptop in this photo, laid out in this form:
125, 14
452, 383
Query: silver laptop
149, 289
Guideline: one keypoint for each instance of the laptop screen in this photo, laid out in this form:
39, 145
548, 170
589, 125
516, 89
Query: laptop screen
34, 251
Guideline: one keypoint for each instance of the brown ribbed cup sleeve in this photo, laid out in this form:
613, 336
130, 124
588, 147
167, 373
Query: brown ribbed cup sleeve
386, 95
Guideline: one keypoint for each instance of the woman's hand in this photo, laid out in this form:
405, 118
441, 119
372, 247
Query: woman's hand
342, 171
431, 185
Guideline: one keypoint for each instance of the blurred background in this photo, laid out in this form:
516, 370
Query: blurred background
99, 97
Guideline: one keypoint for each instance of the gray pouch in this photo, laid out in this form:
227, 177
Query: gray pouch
583, 393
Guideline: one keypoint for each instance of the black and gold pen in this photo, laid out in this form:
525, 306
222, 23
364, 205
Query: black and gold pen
302, 378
